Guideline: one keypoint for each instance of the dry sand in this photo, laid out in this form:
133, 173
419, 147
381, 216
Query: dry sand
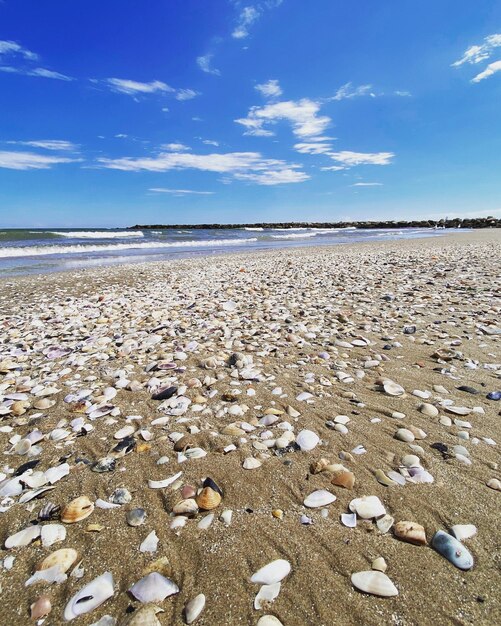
447, 287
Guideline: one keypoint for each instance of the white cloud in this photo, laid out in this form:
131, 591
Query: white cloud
186, 94
245, 20
175, 147
181, 192
333, 168
367, 185
313, 148
403, 94
41, 72
347, 91
491, 69
48, 144
349, 158
249, 166
270, 89
302, 115
476, 54
205, 64
133, 87
210, 142
30, 160
13, 48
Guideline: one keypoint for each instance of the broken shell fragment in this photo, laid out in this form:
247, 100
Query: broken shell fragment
367, 507
136, 517
410, 532
63, 559
374, 582
153, 588
344, 479
272, 573
90, 597
194, 608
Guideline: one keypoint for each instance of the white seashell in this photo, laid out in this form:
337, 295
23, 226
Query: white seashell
22, 447
424, 395
206, 521
150, 544
226, 516
124, 432
385, 523
428, 409
52, 533
272, 573
458, 410
194, 608
251, 463
53, 474
411, 460
349, 519
161, 484
23, 537
52, 574
403, 434
178, 522
303, 396
463, 531
266, 595
269, 620
319, 498
195, 453
102, 504
153, 588
307, 440
11, 487
375, 583
392, 389
367, 507
90, 597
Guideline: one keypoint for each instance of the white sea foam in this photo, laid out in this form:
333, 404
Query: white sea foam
150, 245
258, 228
303, 235
98, 234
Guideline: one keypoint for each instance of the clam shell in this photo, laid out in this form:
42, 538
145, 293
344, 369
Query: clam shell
375, 583
188, 506
266, 595
344, 479
136, 517
404, 434
77, 510
307, 440
145, 616
194, 608
63, 559
269, 620
120, 496
49, 511
52, 533
410, 532
44, 403
161, 484
41, 608
106, 464
272, 573
90, 597
454, 551
428, 409
206, 521
367, 507
319, 498
23, 537
153, 588
208, 499
349, 519
251, 463
392, 389
124, 432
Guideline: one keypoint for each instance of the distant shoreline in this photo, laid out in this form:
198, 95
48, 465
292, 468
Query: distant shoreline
481, 222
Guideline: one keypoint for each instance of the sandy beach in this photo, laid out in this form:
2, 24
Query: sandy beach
265, 363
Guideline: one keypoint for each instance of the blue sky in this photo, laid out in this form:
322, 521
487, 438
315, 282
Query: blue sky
186, 111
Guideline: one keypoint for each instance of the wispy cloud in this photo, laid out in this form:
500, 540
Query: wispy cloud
186, 94
367, 185
270, 89
181, 192
205, 64
347, 91
49, 144
302, 115
31, 160
491, 69
21, 61
137, 88
245, 166
247, 17
41, 72
348, 158
11, 48
210, 142
313, 148
175, 147
476, 54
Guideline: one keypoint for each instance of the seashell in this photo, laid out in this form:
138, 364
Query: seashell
136, 517
494, 483
77, 510
123, 447
277, 513
384, 523
44, 403
120, 496
428, 409
41, 608
396, 477
226, 517
307, 440
49, 511
53, 474
319, 498
272, 573
124, 432
150, 544
194, 608
494, 395
269, 620
233, 431
383, 479
379, 564
344, 479
145, 616
463, 531
206, 521
51, 575
52, 533
161, 484
188, 506
319, 466
195, 453
404, 434
208, 499
23, 537
22, 447
266, 595
411, 460
454, 551
153, 588
63, 559
106, 464
367, 507
374, 582
90, 597
392, 389
349, 519
102, 504
188, 491
251, 463
410, 532
165, 393
458, 410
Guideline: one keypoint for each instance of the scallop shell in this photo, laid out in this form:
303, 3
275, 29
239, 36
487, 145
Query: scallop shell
194, 608
208, 499
272, 573
410, 532
77, 510
319, 498
90, 597
153, 588
375, 583
63, 558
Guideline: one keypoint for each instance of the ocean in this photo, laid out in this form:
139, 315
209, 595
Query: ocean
31, 251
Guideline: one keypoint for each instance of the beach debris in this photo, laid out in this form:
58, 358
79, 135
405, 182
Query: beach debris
375, 583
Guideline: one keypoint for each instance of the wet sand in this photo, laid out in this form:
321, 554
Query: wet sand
293, 312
